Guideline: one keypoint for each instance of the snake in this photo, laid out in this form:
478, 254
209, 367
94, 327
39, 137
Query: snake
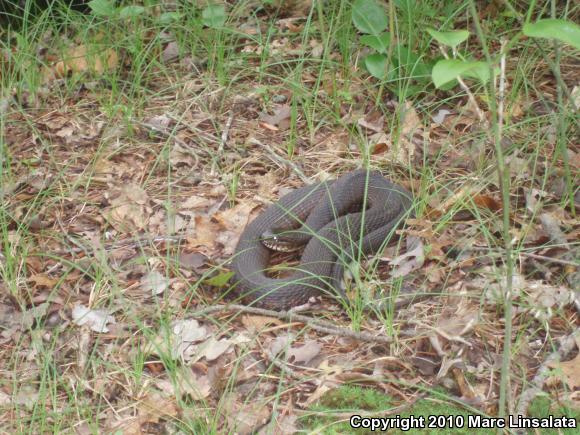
335, 221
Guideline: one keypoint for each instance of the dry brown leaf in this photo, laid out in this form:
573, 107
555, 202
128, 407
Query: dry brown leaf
83, 58
205, 233
486, 202
234, 221
129, 209
154, 282
196, 385
212, 349
411, 260
265, 184
170, 52
257, 323
192, 260
154, 407
280, 120
374, 121
570, 370
41, 280
458, 320
97, 320
194, 202
295, 354
245, 417
440, 116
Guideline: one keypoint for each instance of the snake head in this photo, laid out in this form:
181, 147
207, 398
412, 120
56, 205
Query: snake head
277, 242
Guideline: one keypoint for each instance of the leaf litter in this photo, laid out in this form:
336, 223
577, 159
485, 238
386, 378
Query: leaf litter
156, 194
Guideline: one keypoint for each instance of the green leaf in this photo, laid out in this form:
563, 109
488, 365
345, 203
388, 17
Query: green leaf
131, 11
103, 8
169, 17
219, 280
377, 65
378, 42
451, 39
214, 16
369, 17
551, 28
447, 70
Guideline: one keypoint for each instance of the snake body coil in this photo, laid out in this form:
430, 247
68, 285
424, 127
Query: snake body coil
336, 220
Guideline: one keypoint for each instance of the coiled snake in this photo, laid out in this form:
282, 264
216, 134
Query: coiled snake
336, 220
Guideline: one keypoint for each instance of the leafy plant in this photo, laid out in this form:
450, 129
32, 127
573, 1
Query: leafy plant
391, 59
370, 18
107, 8
552, 28
446, 71
214, 16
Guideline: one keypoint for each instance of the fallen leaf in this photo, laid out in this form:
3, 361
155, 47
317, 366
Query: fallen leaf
257, 323
374, 121
297, 355
97, 320
189, 331
170, 52
411, 260
244, 416
196, 385
440, 116
154, 407
154, 282
211, 349
280, 120
570, 370
81, 59
192, 260
129, 209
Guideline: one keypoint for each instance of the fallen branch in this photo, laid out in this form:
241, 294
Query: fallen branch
281, 160
317, 325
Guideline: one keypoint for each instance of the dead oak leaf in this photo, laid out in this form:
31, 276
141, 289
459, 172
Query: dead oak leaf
129, 209
280, 120
459, 320
205, 233
570, 370
265, 183
82, 59
154, 282
374, 121
295, 354
97, 320
233, 221
195, 384
243, 416
411, 260
257, 323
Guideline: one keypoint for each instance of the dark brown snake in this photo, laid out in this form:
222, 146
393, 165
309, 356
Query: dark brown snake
336, 220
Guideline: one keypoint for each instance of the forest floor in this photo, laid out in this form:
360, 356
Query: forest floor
136, 145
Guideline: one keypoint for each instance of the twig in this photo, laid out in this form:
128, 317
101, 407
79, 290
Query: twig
317, 325
567, 344
531, 255
204, 135
170, 135
281, 160
444, 334
117, 245
226, 132
284, 367
550, 259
